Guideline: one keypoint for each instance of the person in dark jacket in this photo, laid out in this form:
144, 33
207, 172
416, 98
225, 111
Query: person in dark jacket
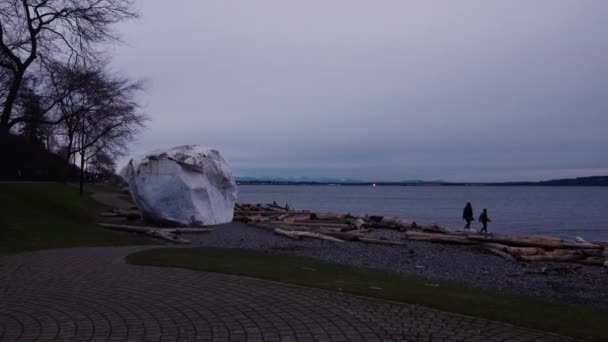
467, 215
484, 219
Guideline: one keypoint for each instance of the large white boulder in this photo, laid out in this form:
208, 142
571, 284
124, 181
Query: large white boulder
185, 185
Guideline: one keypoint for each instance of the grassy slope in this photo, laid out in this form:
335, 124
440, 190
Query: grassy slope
566, 319
50, 215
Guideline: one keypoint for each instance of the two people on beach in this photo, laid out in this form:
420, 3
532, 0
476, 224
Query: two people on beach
467, 216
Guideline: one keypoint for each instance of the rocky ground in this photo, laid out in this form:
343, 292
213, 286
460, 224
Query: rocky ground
560, 281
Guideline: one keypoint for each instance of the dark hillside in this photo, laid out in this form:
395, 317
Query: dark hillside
20, 160
581, 181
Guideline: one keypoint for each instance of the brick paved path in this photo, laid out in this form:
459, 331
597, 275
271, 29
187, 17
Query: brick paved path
91, 294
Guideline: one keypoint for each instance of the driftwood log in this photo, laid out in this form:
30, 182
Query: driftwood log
169, 234
381, 242
296, 224
299, 234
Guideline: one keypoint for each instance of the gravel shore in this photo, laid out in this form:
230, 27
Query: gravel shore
571, 283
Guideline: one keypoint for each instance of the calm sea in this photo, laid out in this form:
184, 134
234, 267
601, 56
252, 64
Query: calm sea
559, 211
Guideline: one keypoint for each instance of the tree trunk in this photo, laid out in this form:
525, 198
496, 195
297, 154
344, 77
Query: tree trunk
10, 102
68, 165
81, 173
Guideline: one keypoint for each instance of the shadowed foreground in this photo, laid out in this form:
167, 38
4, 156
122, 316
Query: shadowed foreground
90, 293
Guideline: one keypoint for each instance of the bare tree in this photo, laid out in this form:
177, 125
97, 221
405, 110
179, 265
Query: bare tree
103, 164
51, 30
101, 116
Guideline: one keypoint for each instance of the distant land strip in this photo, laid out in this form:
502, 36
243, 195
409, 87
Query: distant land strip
581, 181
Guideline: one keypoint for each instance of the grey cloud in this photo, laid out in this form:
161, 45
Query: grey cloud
479, 90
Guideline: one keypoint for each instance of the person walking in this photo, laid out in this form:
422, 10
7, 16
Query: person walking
484, 219
467, 215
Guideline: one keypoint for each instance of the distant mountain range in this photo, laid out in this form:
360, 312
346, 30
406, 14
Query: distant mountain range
581, 181
324, 180
298, 180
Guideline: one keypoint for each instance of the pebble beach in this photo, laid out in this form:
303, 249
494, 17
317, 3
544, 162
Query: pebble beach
572, 283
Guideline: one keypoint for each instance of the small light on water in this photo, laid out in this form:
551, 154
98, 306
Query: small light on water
373, 185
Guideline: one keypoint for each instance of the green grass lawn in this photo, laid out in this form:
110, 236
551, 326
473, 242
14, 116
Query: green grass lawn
37, 216
577, 321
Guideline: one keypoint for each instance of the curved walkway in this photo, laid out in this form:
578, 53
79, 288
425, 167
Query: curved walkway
91, 294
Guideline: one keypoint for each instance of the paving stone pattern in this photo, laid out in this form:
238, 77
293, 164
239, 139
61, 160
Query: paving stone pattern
90, 294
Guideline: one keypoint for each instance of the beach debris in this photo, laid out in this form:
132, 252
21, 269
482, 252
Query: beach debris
294, 234
130, 215
169, 234
381, 241
338, 227
184, 186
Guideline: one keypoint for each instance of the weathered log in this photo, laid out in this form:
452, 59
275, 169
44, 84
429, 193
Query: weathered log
501, 253
306, 219
517, 251
329, 216
348, 229
311, 224
495, 245
544, 238
343, 236
127, 228
258, 218
514, 251
286, 233
318, 236
190, 230
381, 226
434, 229
168, 234
285, 227
284, 216
260, 213
127, 214
438, 238
512, 241
380, 241
143, 229
582, 246
594, 252
109, 214
270, 208
277, 207
324, 230
396, 222
307, 234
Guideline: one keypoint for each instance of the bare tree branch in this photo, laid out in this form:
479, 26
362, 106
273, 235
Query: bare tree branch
64, 30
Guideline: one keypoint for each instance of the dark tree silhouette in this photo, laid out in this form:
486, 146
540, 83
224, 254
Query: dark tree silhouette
100, 116
44, 31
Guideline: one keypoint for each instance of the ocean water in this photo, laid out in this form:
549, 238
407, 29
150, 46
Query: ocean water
560, 211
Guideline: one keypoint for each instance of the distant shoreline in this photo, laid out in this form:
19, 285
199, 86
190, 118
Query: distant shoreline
583, 181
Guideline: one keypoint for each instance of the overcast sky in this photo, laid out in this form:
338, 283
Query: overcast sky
378, 90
